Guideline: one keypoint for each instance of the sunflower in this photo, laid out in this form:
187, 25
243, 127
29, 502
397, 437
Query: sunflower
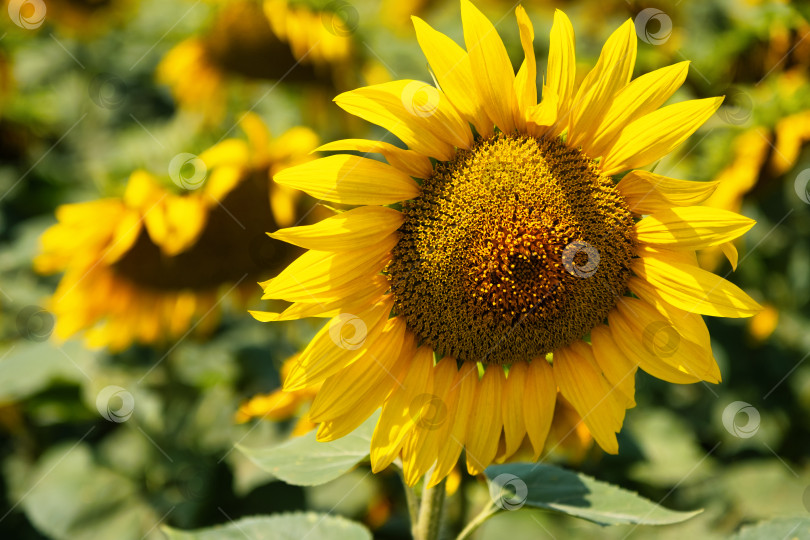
251, 41
496, 266
153, 264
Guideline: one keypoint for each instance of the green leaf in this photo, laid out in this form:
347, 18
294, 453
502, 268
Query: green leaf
575, 494
279, 527
303, 461
793, 528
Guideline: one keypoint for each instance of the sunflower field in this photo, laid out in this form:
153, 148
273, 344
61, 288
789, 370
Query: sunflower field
429, 269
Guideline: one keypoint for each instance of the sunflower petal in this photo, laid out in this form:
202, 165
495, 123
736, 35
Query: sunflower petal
402, 410
617, 368
486, 421
350, 180
642, 96
692, 227
514, 426
416, 112
583, 385
363, 386
561, 71
451, 66
657, 134
611, 73
526, 80
410, 162
354, 229
731, 254
647, 193
693, 289
319, 275
539, 412
493, 75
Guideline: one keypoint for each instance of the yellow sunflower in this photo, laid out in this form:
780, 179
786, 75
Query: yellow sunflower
252, 41
487, 273
150, 265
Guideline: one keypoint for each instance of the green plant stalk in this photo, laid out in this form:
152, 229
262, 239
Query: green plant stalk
487, 512
429, 522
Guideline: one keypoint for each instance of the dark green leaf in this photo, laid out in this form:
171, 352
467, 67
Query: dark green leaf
280, 527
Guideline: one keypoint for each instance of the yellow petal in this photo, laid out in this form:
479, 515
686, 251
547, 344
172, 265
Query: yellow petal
416, 112
539, 412
611, 73
731, 254
542, 115
410, 162
127, 231
463, 390
366, 294
657, 134
493, 75
695, 290
647, 193
318, 275
486, 421
366, 382
340, 343
350, 180
451, 66
357, 228
230, 152
642, 96
582, 383
514, 427
408, 406
561, 71
526, 80
446, 442
678, 342
617, 368
692, 227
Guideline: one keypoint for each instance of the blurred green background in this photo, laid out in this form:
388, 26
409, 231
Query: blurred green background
84, 102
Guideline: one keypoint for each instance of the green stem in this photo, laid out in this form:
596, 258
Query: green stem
428, 525
488, 511
411, 498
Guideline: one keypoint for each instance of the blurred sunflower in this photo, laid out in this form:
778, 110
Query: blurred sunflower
502, 281
155, 264
271, 42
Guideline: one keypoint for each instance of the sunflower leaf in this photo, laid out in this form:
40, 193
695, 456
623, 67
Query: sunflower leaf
304, 461
546, 486
278, 527
795, 528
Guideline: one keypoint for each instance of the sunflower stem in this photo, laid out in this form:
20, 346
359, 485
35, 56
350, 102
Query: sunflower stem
487, 512
428, 524
411, 498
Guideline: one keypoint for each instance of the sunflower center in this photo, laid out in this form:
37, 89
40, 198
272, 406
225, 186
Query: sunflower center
515, 248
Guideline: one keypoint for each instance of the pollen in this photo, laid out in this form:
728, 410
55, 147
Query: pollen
516, 247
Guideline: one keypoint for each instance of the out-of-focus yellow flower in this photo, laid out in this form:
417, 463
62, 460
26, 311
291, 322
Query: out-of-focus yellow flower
762, 325
155, 263
250, 41
738, 178
791, 134
279, 405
